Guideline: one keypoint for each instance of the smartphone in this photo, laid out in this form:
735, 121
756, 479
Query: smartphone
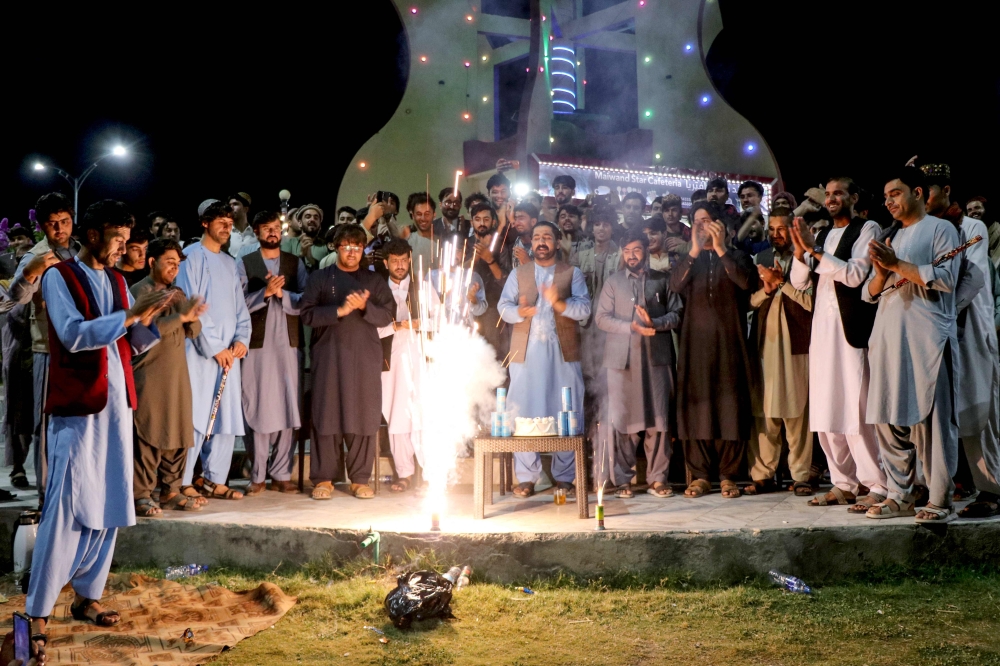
379, 196
22, 637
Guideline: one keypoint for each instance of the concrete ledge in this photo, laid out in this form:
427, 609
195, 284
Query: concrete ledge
818, 555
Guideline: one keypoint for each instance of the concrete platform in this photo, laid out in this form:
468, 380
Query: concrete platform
706, 539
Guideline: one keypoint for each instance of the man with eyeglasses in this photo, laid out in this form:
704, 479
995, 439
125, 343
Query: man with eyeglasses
345, 306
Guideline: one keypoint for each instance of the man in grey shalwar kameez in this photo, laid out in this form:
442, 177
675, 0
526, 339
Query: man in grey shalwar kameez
637, 310
272, 283
94, 327
912, 352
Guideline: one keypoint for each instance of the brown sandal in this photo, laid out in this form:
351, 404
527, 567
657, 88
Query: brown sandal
697, 488
838, 497
524, 490
728, 488
209, 489
192, 492
362, 491
401, 486
322, 490
866, 502
803, 489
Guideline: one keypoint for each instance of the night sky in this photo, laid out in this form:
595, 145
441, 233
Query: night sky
230, 100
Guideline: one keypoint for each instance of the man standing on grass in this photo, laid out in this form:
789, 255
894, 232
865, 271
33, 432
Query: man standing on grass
272, 282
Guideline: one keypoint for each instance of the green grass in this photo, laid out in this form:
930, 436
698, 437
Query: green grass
888, 618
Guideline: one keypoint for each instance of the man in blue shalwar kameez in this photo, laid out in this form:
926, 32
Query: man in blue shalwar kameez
94, 328
225, 334
545, 301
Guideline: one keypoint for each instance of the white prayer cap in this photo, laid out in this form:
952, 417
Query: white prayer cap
204, 206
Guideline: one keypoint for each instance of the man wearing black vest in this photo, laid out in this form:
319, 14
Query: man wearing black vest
839, 264
781, 327
273, 282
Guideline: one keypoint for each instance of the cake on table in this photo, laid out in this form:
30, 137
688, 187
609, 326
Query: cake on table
540, 426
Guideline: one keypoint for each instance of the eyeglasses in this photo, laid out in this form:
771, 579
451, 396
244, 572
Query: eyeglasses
350, 248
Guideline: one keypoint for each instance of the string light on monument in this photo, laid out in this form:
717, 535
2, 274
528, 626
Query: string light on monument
562, 71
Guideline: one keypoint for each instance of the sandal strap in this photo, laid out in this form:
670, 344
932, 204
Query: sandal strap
942, 513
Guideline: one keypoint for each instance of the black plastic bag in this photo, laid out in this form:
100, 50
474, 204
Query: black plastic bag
418, 596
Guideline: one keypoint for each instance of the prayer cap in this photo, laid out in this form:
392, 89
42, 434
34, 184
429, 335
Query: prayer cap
203, 206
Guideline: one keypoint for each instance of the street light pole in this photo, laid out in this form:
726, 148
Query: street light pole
77, 182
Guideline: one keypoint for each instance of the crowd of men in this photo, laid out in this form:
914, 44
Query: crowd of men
734, 333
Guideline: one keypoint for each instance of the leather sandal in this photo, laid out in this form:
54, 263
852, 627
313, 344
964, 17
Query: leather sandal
192, 492
255, 489
865, 502
697, 488
322, 490
839, 497
180, 502
362, 491
729, 489
890, 508
147, 508
103, 619
208, 489
288, 487
523, 490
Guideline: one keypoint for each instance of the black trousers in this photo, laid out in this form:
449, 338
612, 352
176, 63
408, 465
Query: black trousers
325, 457
701, 455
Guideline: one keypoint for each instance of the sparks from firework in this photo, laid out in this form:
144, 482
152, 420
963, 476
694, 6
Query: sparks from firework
457, 372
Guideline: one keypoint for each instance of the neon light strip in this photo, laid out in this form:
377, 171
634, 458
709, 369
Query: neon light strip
565, 74
568, 92
563, 48
562, 101
571, 62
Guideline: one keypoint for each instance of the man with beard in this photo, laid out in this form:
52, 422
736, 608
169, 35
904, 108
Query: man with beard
913, 353
272, 283
780, 333
637, 311
564, 189
978, 365
545, 301
836, 265
305, 245
519, 251
163, 427
573, 238
345, 306
633, 206
451, 223
715, 370
242, 230
484, 227
751, 240
210, 273
55, 214
401, 374
94, 328
422, 240
976, 209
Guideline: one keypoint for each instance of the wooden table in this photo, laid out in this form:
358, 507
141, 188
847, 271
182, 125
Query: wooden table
485, 447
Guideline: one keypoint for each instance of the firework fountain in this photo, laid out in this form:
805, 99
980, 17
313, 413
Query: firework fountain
458, 372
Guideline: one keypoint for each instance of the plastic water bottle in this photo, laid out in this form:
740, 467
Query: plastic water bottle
386, 479
453, 574
790, 583
463, 580
185, 570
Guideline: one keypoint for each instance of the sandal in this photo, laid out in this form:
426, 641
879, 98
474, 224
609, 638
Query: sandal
362, 491
147, 508
937, 515
761, 487
697, 488
255, 489
192, 492
180, 502
729, 489
209, 489
102, 619
803, 489
624, 492
322, 490
986, 506
401, 485
660, 490
19, 480
865, 502
835, 496
568, 487
523, 490
890, 508
288, 487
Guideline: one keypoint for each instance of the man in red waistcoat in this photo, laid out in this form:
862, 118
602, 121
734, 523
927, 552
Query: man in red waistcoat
94, 328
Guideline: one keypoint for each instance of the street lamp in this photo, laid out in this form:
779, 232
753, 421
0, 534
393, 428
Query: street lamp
77, 182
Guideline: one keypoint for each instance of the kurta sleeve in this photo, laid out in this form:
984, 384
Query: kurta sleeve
605, 316
943, 277
672, 318
680, 275
380, 310
740, 270
242, 333
855, 270
970, 282
480, 306
140, 336
508, 304
758, 297
578, 304
20, 290
315, 313
800, 275
73, 331
803, 297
